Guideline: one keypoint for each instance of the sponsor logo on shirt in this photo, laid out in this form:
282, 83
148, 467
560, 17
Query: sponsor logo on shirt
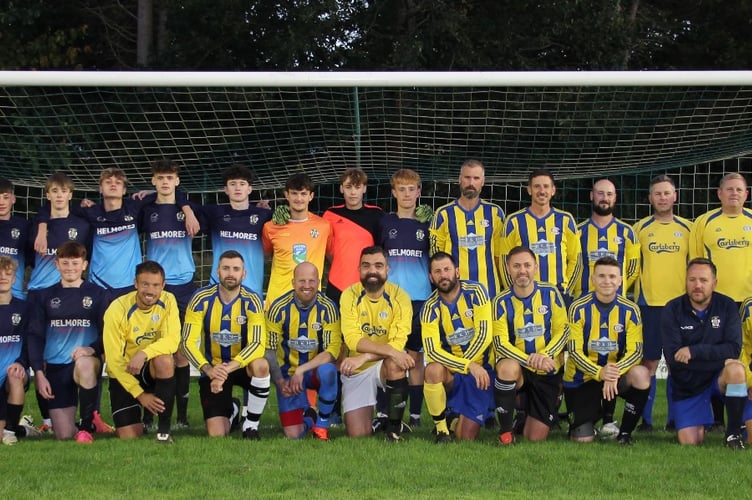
530, 331
237, 235
604, 345
225, 338
659, 248
461, 336
543, 247
70, 322
303, 344
299, 253
472, 241
732, 243
601, 252
373, 330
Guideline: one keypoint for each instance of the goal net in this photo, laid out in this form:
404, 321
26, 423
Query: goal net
630, 126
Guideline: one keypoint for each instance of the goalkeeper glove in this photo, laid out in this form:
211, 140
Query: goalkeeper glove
423, 213
281, 215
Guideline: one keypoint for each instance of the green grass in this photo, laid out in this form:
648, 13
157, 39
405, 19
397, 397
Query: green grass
199, 467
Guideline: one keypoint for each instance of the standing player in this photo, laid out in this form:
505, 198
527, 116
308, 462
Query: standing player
14, 236
305, 340
529, 329
603, 235
724, 235
141, 334
16, 318
114, 233
550, 233
456, 323
237, 226
605, 351
169, 243
664, 244
702, 340
470, 230
354, 227
405, 236
66, 350
224, 337
301, 237
376, 317
62, 227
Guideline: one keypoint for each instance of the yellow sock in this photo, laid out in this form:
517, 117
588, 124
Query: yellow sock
435, 397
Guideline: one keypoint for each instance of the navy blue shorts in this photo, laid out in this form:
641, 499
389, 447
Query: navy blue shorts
652, 345
63, 387
466, 399
415, 339
183, 294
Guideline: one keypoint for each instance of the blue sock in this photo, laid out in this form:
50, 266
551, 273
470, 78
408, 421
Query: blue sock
647, 412
327, 375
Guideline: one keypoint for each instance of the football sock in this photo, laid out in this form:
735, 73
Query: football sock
43, 408
435, 396
718, 408
736, 399
396, 395
182, 390
381, 402
416, 399
504, 397
634, 402
13, 415
258, 393
608, 410
647, 412
327, 376
164, 389
87, 403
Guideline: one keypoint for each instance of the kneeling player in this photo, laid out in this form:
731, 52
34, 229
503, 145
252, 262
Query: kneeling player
224, 337
530, 330
456, 324
304, 341
66, 350
141, 333
605, 351
702, 340
15, 315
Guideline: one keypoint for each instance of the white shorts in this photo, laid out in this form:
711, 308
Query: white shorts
359, 390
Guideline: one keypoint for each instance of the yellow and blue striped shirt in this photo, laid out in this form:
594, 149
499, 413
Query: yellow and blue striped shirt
216, 333
618, 240
473, 238
526, 325
300, 334
554, 240
458, 333
600, 334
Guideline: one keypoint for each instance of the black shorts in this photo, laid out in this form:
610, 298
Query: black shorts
126, 410
415, 339
220, 404
584, 402
63, 387
652, 344
542, 396
183, 294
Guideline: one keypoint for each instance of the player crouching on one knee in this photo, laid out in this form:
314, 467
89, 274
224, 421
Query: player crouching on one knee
304, 340
530, 330
224, 337
605, 351
66, 349
456, 325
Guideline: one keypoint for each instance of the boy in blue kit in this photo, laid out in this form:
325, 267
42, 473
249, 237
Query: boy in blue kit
65, 348
14, 235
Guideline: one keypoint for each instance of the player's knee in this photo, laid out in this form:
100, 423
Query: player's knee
734, 373
508, 369
86, 365
583, 433
434, 373
639, 377
259, 368
164, 366
327, 374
